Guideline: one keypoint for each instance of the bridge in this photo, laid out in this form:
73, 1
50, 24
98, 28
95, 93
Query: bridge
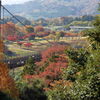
21, 61
80, 28
17, 61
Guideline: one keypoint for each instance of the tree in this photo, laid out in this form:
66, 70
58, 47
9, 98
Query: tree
94, 33
20, 43
38, 29
99, 7
83, 71
12, 38
30, 36
8, 29
87, 18
51, 65
88, 80
29, 67
7, 84
29, 29
34, 90
28, 45
59, 35
4, 96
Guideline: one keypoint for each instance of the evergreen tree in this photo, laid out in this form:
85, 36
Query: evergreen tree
87, 84
29, 67
83, 70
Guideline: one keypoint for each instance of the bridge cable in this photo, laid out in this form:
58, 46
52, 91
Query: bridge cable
20, 21
13, 15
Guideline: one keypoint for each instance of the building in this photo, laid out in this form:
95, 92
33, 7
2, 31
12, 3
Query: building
79, 28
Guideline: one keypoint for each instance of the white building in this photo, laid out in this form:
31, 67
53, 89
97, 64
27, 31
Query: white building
79, 28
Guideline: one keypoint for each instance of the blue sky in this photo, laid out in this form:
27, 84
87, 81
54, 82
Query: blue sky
13, 1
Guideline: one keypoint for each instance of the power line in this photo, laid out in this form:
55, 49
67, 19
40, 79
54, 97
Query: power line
13, 15
19, 21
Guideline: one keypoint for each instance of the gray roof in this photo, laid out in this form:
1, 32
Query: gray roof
81, 27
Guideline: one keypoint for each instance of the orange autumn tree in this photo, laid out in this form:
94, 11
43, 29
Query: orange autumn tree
8, 28
7, 84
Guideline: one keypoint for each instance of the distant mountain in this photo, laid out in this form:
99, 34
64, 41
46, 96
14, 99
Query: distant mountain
12, 19
60, 21
54, 8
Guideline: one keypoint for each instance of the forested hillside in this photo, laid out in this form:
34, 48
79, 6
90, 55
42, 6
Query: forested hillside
40, 60
54, 8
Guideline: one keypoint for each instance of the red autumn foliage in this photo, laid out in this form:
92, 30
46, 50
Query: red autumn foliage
8, 29
51, 72
28, 35
54, 68
42, 34
20, 43
12, 37
39, 28
27, 44
56, 49
71, 34
28, 77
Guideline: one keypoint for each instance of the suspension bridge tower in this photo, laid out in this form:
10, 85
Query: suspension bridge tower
0, 19
0, 10
1, 41
0, 22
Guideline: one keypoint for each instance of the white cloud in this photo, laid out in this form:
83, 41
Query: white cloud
13, 1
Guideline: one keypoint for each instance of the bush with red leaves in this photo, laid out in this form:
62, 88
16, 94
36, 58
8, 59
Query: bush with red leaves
39, 28
28, 44
12, 37
51, 65
54, 50
20, 43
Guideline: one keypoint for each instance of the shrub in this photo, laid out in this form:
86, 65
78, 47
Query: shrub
4, 96
34, 90
30, 67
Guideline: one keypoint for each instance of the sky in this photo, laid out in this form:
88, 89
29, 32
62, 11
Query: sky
13, 1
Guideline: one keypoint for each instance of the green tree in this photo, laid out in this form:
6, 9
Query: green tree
86, 86
77, 61
34, 91
4, 96
30, 67
29, 29
83, 70
59, 35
